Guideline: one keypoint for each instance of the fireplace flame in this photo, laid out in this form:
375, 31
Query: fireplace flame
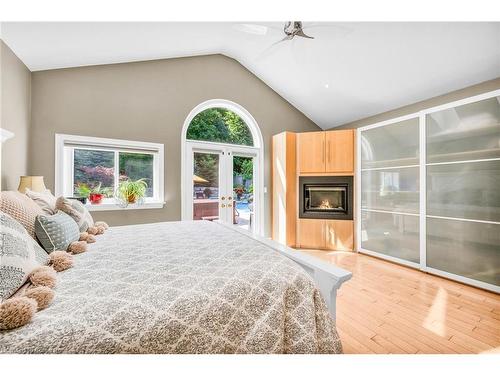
325, 204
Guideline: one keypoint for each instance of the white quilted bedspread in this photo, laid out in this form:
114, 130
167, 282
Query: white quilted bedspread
179, 287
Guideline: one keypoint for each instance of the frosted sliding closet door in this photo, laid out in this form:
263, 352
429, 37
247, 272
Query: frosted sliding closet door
390, 190
463, 190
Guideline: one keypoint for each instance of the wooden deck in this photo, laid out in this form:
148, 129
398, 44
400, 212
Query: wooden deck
388, 308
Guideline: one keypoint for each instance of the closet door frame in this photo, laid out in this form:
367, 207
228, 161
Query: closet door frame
422, 265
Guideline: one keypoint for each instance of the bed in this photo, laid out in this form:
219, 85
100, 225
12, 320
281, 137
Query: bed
186, 287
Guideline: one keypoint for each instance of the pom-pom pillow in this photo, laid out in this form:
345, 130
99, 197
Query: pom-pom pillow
77, 211
44, 199
56, 232
21, 208
19, 255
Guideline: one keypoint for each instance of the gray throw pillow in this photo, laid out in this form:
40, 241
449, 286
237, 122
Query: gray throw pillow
56, 232
19, 255
77, 211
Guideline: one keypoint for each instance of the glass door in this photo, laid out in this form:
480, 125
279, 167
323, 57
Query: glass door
463, 191
206, 184
243, 214
429, 190
390, 191
221, 185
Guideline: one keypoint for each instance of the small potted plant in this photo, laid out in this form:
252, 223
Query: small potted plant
239, 190
97, 194
132, 191
83, 191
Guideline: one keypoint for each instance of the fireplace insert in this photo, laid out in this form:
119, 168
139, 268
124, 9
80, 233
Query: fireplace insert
326, 197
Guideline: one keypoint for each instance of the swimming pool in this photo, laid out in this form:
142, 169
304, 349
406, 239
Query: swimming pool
242, 206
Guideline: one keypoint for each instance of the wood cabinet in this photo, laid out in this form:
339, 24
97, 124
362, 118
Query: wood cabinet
311, 234
325, 234
311, 152
339, 151
339, 235
326, 152
284, 188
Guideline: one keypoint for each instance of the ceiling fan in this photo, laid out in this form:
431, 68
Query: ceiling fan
293, 29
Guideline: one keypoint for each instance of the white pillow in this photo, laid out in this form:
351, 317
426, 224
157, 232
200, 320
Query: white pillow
44, 199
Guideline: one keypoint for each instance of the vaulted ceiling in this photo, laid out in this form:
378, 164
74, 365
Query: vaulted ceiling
347, 72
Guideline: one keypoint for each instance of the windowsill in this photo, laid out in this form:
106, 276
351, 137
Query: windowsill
115, 207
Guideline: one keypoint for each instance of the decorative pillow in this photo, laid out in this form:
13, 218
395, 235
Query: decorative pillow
77, 211
44, 199
21, 208
56, 232
19, 255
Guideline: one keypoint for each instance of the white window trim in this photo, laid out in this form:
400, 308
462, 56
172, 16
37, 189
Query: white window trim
63, 169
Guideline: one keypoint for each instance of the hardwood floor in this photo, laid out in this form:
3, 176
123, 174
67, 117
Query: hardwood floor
388, 308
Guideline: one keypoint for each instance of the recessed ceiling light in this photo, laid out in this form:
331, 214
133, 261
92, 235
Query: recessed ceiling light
326, 85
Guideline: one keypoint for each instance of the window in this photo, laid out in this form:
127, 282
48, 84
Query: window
219, 125
102, 164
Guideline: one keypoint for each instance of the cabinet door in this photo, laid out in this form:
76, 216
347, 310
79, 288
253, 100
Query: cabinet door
311, 150
339, 235
311, 234
340, 151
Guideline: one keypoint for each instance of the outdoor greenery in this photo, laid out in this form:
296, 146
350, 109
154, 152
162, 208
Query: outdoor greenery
219, 125
225, 126
207, 166
94, 169
243, 167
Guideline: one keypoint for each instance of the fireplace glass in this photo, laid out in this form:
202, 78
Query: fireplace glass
325, 198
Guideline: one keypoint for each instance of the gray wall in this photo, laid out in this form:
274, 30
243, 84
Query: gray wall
15, 117
438, 100
149, 101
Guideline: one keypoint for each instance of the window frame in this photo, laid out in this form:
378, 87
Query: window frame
64, 166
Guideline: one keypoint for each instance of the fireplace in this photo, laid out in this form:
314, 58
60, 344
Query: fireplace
326, 197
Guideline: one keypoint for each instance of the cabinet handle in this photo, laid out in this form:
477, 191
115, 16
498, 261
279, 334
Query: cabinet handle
223, 205
229, 205
328, 150
323, 148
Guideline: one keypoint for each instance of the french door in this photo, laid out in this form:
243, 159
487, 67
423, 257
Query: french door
221, 183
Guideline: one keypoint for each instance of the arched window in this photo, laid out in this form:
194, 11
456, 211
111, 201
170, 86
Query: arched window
219, 125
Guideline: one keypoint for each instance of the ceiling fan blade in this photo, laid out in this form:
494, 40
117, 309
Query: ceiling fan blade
250, 28
288, 37
271, 49
301, 33
337, 28
256, 29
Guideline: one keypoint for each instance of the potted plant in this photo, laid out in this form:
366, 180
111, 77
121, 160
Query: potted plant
98, 193
239, 190
83, 191
131, 191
